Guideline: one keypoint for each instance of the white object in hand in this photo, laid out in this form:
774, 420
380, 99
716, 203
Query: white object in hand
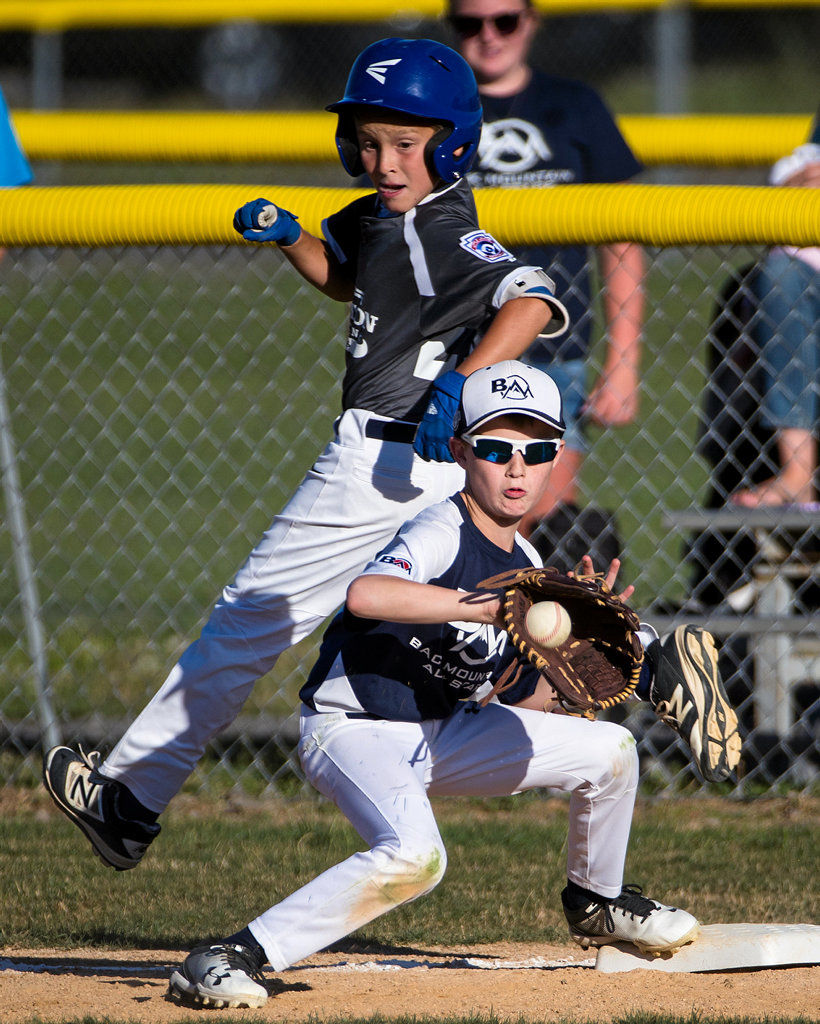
268, 216
549, 623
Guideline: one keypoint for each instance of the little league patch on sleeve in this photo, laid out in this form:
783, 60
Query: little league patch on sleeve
480, 244
401, 563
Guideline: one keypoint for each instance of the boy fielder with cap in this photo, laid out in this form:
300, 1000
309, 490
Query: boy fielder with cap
432, 299
396, 710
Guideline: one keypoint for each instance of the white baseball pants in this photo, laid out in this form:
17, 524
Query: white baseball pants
354, 498
380, 775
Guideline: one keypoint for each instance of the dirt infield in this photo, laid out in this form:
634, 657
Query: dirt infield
510, 981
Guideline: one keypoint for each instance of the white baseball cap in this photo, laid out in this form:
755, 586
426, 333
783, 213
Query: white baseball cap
508, 388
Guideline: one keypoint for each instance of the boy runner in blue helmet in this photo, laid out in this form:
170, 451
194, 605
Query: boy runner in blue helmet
432, 293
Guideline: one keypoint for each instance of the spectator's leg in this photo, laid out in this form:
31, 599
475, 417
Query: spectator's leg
790, 350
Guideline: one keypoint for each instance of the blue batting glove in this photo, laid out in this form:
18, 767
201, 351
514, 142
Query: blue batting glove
264, 221
436, 429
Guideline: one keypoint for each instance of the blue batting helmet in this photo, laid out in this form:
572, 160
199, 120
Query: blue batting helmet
422, 78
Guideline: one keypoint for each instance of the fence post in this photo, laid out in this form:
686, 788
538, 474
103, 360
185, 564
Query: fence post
47, 70
22, 558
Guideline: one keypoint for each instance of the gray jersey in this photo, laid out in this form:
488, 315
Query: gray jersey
427, 284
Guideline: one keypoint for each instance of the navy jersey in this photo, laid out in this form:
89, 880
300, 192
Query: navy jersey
554, 132
412, 673
427, 284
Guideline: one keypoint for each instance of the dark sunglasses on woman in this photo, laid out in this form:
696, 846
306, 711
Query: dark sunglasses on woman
468, 26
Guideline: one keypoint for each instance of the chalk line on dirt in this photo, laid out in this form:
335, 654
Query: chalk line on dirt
28, 966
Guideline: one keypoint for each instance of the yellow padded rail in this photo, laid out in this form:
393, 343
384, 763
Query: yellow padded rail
288, 137
714, 140
202, 214
280, 137
60, 15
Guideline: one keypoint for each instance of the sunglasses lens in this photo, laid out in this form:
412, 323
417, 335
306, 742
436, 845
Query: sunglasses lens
538, 452
491, 450
465, 26
506, 24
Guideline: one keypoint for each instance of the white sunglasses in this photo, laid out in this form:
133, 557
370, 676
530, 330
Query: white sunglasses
500, 449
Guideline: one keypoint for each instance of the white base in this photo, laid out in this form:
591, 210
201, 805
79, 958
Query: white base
722, 947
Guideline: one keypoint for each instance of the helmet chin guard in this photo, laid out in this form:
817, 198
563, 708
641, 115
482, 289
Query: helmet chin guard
424, 79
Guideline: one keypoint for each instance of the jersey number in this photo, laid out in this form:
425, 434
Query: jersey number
432, 360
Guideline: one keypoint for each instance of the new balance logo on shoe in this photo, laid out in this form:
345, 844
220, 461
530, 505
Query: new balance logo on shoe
84, 794
92, 803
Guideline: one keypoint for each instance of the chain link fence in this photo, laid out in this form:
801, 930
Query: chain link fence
164, 403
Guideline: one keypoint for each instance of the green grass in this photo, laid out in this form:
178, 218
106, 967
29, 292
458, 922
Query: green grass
725, 861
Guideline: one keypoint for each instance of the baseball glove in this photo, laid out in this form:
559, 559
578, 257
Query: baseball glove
600, 663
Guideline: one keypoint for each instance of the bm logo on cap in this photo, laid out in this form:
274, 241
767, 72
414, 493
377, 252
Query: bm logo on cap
514, 387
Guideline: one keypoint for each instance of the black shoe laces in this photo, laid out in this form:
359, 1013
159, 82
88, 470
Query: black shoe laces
631, 901
244, 959
235, 957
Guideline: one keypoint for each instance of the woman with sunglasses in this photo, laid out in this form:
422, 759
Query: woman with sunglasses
541, 130
396, 711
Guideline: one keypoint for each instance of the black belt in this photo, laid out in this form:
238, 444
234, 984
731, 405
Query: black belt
398, 431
